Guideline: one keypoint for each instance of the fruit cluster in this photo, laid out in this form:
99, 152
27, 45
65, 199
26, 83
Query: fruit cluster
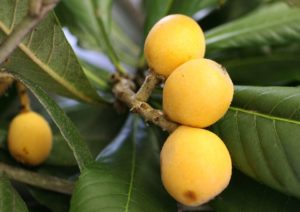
195, 163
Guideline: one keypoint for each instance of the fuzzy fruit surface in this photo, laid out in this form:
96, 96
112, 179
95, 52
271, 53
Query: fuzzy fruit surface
198, 93
172, 41
29, 138
195, 165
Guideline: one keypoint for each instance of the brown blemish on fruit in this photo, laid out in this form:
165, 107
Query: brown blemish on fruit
190, 195
25, 151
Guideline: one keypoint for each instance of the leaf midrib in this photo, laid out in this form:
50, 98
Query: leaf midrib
267, 116
133, 164
47, 69
230, 34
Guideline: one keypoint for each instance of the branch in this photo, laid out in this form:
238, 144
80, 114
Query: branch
38, 180
152, 79
122, 90
38, 10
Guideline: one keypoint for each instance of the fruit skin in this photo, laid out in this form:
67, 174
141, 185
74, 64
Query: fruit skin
29, 138
195, 165
172, 41
198, 93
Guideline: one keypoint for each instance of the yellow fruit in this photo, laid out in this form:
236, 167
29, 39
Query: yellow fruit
198, 93
29, 138
195, 165
172, 41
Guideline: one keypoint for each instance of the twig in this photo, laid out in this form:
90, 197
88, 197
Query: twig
124, 93
35, 15
38, 180
152, 79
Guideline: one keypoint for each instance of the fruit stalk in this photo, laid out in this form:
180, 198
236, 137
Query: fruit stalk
24, 98
124, 93
152, 79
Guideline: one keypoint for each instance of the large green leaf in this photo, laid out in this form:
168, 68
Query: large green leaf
190, 7
262, 132
65, 125
276, 69
275, 24
10, 200
45, 55
244, 194
126, 177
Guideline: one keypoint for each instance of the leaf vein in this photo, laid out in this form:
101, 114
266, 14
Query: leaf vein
261, 148
285, 153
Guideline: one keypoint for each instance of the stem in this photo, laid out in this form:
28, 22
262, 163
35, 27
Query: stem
38, 180
123, 92
148, 86
110, 50
24, 27
24, 98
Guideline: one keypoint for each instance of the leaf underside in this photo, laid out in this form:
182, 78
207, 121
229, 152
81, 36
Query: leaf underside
44, 56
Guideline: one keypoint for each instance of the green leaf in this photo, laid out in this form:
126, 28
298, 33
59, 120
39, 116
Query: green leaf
54, 201
45, 55
10, 199
125, 48
126, 177
262, 131
96, 127
190, 7
275, 69
155, 10
65, 125
244, 194
262, 27
93, 17
61, 154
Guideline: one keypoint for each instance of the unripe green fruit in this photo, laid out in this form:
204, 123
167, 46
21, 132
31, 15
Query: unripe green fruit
29, 138
195, 165
172, 41
198, 93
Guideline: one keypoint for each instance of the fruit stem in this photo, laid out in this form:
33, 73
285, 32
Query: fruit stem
24, 98
151, 80
122, 90
38, 180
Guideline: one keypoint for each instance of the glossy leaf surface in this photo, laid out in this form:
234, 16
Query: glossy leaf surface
126, 177
262, 131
